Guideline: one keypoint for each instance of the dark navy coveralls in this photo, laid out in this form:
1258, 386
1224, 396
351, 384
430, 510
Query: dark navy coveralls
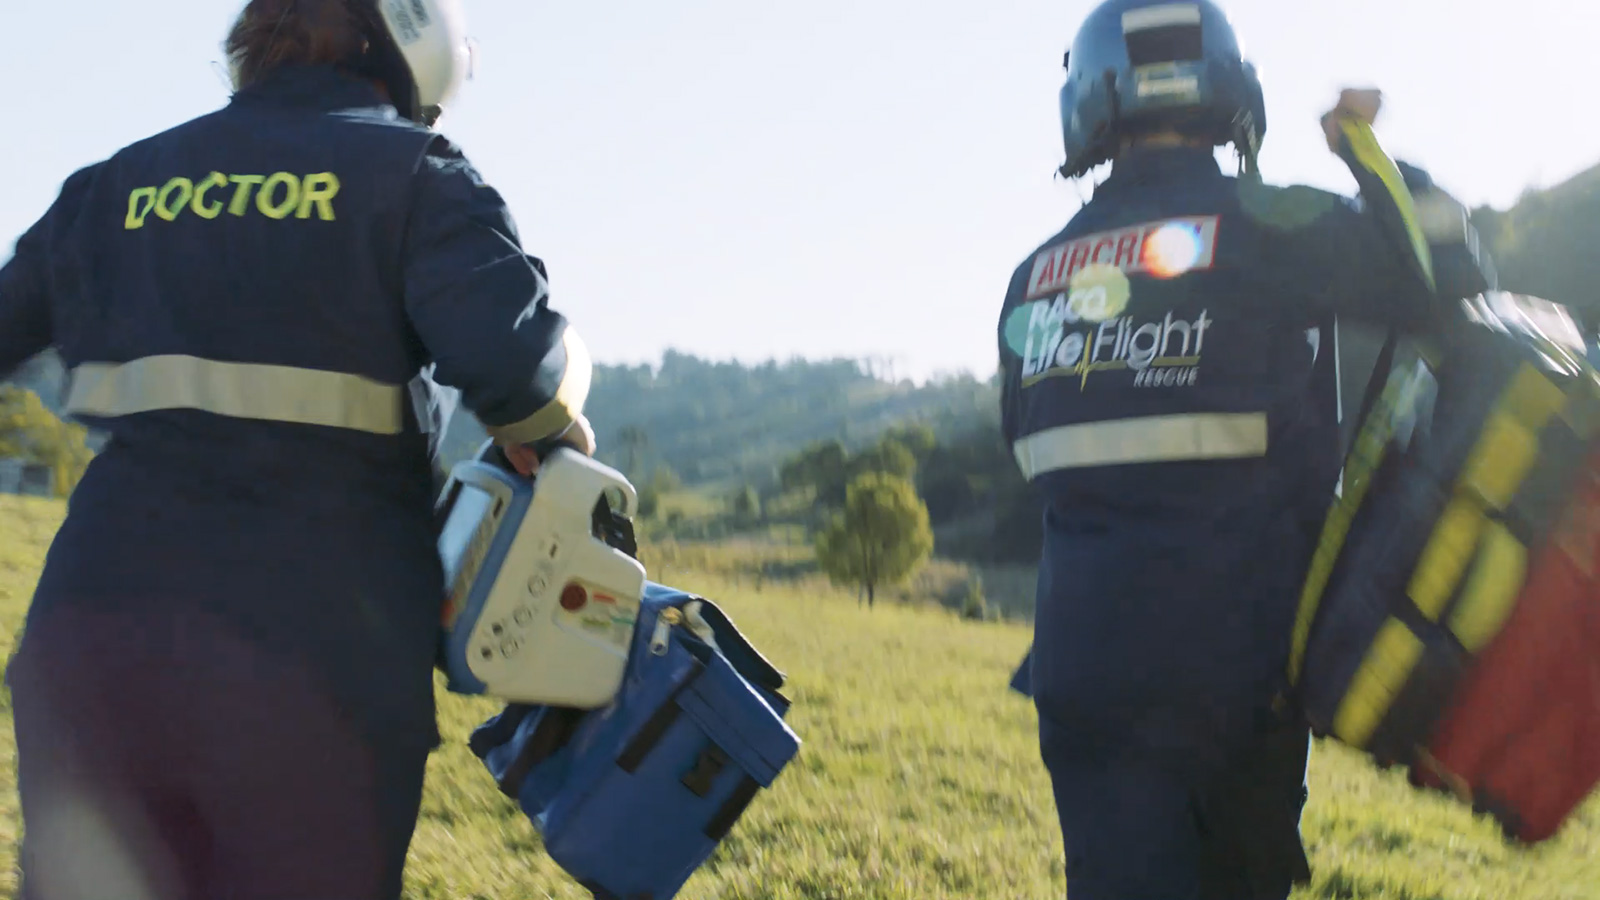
1169, 390
227, 675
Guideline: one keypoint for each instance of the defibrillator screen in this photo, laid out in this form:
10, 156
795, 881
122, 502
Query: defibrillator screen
468, 511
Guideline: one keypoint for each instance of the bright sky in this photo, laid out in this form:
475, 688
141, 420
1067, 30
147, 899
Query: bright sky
749, 180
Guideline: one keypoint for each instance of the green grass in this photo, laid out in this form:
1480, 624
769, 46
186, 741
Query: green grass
919, 777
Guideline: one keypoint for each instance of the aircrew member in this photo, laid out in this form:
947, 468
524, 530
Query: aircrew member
1170, 392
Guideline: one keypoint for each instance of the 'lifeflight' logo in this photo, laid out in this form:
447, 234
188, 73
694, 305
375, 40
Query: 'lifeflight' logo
1084, 330
1163, 352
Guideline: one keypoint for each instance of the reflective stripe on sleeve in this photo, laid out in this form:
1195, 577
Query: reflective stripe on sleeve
1145, 440
558, 415
241, 390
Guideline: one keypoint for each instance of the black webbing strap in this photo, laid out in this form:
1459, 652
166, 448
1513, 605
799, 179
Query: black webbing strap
1381, 369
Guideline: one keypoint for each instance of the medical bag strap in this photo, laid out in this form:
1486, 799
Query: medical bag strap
660, 722
740, 652
499, 730
1383, 185
556, 726
1376, 382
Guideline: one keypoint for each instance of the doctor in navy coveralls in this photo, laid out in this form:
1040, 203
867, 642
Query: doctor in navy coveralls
225, 688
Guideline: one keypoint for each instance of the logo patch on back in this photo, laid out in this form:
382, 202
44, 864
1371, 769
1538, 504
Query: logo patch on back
1164, 249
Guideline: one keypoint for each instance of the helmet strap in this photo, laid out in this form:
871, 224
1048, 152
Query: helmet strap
1248, 145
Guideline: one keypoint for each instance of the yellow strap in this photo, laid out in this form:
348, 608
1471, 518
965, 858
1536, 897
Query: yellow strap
240, 390
1369, 153
1149, 439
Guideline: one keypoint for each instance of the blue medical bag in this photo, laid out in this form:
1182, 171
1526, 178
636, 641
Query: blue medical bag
631, 799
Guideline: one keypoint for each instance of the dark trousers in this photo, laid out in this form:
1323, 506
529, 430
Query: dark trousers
1139, 828
162, 757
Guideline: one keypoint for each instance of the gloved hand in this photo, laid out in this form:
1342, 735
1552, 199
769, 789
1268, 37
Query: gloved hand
1362, 105
525, 457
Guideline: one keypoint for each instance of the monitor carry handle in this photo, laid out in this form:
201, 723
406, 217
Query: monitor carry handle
611, 527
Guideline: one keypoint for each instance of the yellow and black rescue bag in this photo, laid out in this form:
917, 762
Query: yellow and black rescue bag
1470, 443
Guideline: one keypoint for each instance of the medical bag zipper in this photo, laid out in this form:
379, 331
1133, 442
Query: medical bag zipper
690, 617
658, 641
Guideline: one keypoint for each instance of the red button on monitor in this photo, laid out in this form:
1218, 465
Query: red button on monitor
574, 598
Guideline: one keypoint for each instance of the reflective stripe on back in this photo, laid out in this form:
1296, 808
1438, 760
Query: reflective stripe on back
1144, 440
240, 390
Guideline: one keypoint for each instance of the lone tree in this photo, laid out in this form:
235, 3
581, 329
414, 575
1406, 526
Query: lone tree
880, 538
916, 437
887, 457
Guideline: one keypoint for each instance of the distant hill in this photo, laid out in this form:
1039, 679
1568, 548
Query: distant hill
713, 421
721, 422
1546, 245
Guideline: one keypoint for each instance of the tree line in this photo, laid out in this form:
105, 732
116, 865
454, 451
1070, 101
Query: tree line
734, 428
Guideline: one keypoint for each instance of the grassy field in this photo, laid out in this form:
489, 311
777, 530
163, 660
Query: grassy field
919, 777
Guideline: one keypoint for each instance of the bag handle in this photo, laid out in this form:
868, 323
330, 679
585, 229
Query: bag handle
738, 650
614, 529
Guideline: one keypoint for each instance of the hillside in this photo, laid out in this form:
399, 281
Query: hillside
1544, 245
720, 422
718, 426
919, 778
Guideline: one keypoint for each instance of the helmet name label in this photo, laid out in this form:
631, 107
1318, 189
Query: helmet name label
1167, 82
408, 18
1160, 17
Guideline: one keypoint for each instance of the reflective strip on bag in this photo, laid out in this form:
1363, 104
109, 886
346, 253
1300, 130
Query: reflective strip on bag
1144, 440
241, 390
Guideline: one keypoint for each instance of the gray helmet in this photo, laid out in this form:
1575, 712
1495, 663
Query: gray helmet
1141, 65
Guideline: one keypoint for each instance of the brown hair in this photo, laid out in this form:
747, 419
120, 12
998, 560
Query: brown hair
273, 33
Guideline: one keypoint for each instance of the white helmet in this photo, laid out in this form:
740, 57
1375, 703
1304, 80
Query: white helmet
431, 35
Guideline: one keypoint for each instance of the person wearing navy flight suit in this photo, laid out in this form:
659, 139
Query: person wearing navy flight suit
225, 687
1169, 391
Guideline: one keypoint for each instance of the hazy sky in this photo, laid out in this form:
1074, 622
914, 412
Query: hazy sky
748, 179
